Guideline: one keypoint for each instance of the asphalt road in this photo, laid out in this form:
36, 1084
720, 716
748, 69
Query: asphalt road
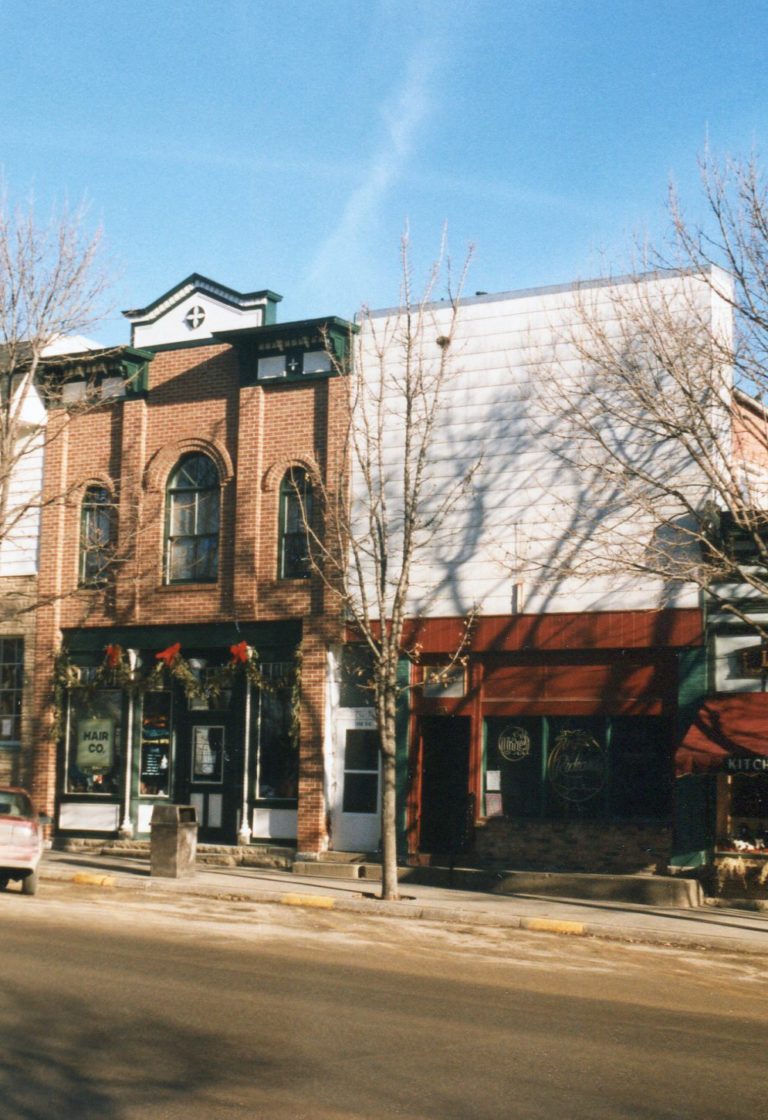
115, 1008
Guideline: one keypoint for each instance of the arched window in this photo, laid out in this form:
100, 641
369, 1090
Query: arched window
296, 514
97, 536
192, 521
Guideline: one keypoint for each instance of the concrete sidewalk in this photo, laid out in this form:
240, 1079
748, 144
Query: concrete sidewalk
705, 927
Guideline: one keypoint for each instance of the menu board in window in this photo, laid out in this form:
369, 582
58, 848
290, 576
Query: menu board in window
155, 767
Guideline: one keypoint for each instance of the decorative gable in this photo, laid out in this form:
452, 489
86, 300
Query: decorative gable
197, 309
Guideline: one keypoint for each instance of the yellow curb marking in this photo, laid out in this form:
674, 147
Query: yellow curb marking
320, 902
553, 925
88, 879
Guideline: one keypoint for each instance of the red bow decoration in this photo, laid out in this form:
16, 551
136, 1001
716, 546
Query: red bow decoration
168, 656
240, 653
113, 655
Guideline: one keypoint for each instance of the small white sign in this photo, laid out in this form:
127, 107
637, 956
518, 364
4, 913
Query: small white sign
493, 780
6, 728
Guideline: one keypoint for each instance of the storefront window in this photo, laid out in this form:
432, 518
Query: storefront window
582, 767
513, 767
277, 769
641, 768
156, 731
577, 767
748, 816
94, 742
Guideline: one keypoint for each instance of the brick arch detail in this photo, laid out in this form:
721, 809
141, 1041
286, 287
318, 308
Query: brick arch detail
163, 461
98, 478
274, 474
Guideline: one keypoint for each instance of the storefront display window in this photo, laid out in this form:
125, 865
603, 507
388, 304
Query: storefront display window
513, 767
577, 767
156, 743
747, 820
277, 770
583, 767
94, 742
641, 769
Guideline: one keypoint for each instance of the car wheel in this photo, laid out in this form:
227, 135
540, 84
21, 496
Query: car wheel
29, 884
4, 880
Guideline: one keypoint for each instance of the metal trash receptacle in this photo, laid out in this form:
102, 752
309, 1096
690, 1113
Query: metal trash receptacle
173, 841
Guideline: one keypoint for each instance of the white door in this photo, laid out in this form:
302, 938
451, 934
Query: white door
356, 804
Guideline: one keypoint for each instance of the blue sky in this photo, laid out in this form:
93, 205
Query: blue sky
285, 145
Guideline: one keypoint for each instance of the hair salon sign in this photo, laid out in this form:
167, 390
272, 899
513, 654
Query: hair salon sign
94, 749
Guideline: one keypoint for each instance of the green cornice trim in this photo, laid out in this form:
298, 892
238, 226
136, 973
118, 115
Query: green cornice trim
223, 293
276, 637
128, 362
252, 343
290, 331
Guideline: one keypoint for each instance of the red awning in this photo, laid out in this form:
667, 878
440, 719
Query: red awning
729, 733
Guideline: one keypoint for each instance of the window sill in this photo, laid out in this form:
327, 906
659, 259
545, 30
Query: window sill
171, 587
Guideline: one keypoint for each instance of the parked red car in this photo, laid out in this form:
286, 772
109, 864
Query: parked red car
21, 839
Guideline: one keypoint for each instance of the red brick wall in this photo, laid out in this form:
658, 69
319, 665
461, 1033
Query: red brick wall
194, 402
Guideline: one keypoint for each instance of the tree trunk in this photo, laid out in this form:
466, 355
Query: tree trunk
387, 731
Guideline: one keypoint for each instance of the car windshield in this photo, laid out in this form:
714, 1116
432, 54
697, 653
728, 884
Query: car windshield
15, 805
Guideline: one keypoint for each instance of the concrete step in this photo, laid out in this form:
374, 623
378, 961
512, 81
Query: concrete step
328, 869
209, 855
341, 857
646, 890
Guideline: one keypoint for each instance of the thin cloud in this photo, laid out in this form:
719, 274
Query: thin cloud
402, 115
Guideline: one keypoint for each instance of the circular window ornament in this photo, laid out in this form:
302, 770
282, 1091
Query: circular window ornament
576, 767
514, 744
195, 317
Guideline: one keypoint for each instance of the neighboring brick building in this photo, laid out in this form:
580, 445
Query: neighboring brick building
180, 536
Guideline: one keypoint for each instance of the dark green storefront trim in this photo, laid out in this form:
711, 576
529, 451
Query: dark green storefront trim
277, 639
693, 838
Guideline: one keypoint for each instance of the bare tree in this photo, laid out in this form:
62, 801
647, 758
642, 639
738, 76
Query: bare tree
50, 289
387, 509
656, 402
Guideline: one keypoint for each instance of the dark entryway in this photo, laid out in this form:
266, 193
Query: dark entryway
210, 772
444, 817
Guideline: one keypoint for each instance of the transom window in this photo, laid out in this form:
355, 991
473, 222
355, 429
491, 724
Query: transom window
296, 514
192, 521
97, 536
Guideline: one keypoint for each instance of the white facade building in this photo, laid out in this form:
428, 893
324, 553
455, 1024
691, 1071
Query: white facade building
570, 645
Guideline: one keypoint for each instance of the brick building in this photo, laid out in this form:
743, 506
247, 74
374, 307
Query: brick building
181, 641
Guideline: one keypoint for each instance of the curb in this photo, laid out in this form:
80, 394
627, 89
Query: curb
87, 878
416, 911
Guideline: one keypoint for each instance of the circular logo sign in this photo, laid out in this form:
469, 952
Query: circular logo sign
514, 744
576, 766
